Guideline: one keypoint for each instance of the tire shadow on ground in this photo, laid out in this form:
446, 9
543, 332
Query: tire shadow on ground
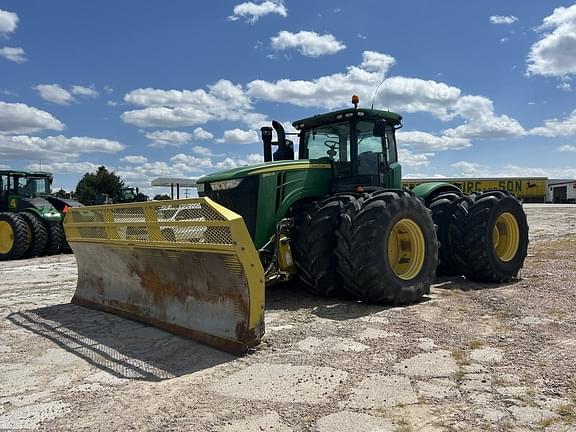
124, 348
460, 283
293, 296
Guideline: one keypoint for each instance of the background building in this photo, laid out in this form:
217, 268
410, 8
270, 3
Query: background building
562, 191
528, 189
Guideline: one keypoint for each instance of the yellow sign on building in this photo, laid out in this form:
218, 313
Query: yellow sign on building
527, 188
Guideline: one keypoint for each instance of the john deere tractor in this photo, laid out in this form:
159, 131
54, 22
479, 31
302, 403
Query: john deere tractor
30, 218
337, 219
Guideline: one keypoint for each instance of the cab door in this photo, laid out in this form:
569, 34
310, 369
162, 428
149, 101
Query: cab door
3, 192
12, 196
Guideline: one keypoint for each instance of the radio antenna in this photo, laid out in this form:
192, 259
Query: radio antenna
376, 92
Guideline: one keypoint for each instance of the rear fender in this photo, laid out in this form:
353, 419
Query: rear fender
427, 191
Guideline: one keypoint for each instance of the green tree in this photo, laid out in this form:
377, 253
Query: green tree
102, 182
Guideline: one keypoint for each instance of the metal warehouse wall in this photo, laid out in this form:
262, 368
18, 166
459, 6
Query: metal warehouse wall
563, 192
529, 189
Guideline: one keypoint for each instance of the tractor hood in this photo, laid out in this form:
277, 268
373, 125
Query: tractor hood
262, 168
43, 208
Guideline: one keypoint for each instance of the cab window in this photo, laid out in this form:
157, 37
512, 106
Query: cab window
329, 141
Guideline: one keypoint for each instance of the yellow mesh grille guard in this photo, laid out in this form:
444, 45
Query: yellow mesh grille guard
188, 266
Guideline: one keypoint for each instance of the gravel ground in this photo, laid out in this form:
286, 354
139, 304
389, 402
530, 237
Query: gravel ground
469, 357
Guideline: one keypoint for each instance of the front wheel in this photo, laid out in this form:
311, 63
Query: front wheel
387, 250
315, 243
39, 238
15, 236
494, 243
56, 238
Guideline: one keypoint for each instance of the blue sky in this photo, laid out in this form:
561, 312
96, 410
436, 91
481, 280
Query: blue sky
180, 88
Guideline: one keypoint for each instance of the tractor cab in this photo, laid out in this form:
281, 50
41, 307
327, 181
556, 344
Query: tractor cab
360, 144
18, 185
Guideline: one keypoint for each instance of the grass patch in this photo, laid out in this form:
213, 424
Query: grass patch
460, 357
459, 375
567, 413
476, 343
402, 425
545, 422
556, 313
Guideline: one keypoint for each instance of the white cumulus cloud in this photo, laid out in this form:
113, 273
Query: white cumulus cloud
503, 19
164, 138
555, 53
202, 151
227, 101
252, 12
557, 127
310, 44
15, 54
201, 134
473, 169
481, 121
57, 94
64, 167
83, 91
426, 141
54, 93
8, 22
239, 136
567, 148
136, 159
19, 118
8, 25
175, 108
54, 147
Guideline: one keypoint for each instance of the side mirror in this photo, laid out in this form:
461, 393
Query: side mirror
379, 128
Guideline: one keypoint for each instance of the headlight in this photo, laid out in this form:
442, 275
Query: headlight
225, 185
200, 187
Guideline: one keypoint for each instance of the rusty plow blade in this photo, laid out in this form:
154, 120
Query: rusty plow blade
187, 266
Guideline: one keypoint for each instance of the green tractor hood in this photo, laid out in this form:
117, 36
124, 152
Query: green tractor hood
245, 171
42, 207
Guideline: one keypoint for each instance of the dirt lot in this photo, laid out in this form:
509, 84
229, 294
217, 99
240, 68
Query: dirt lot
470, 357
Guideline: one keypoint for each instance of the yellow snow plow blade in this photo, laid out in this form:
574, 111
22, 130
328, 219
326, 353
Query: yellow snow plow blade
188, 266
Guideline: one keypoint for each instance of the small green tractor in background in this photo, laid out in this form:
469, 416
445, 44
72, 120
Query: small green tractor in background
130, 194
30, 217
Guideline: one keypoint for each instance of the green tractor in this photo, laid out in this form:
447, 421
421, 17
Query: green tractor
337, 219
30, 218
130, 194
341, 215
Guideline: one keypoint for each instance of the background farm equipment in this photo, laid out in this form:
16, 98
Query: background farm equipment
30, 217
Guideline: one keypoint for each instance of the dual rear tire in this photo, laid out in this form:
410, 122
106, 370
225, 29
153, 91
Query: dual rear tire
483, 236
385, 247
492, 240
26, 235
379, 247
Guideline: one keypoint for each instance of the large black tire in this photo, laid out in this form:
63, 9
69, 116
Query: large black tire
315, 243
445, 216
15, 236
55, 238
39, 234
369, 263
493, 240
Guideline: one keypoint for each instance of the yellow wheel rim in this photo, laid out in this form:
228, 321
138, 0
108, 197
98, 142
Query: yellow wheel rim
406, 249
6, 237
506, 237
